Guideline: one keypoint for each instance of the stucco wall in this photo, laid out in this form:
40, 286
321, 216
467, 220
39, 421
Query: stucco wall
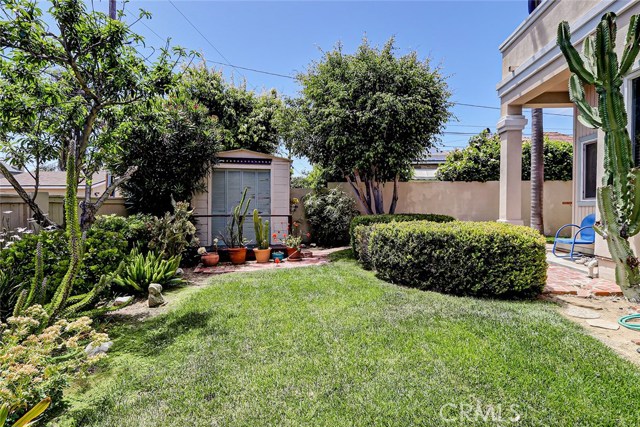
476, 201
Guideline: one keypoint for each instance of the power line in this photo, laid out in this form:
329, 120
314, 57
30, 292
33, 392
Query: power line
253, 69
497, 108
203, 36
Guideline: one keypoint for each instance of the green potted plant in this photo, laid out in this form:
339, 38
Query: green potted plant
234, 238
263, 250
209, 259
292, 242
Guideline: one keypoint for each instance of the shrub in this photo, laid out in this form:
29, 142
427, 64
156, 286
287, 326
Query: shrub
487, 259
174, 232
361, 244
385, 218
329, 214
36, 362
136, 229
141, 270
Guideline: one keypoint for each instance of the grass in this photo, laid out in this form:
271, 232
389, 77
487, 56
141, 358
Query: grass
334, 346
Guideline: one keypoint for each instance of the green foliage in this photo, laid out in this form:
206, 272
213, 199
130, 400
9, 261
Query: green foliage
263, 236
140, 270
172, 234
28, 418
316, 179
64, 74
245, 119
368, 115
619, 197
135, 229
175, 134
329, 214
234, 237
367, 220
37, 361
480, 161
485, 259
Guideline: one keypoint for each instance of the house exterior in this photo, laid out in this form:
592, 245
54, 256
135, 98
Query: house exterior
535, 75
425, 169
267, 179
54, 183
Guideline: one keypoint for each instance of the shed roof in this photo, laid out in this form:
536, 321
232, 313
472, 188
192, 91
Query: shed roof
240, 151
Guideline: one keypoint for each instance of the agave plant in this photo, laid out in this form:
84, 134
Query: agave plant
27, 419
142, 270
619, 196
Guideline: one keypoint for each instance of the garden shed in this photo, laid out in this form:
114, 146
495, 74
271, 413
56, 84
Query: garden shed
267, 179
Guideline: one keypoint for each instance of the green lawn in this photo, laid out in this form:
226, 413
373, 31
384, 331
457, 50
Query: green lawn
333, 346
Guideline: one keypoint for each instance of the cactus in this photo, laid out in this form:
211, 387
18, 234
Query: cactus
72, 224
262, 230
235, 230
619, 197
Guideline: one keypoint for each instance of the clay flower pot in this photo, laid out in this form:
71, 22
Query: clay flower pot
294, 253
237, 255
262, 255
210, 260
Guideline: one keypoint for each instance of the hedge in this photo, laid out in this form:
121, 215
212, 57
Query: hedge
386, 218
486, 259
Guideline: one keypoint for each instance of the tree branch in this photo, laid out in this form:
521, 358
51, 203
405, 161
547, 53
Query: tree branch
38, 215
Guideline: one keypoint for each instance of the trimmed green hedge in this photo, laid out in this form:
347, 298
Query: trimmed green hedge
386, 218
486, 259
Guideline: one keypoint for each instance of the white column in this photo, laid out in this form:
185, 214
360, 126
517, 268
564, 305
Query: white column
510, 129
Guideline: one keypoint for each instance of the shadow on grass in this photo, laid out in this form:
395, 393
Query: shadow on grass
157, 334
343, 255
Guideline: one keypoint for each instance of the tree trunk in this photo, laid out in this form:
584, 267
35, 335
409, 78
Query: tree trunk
537, 170
359, 196
394, 199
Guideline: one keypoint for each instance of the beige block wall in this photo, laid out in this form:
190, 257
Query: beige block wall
476, 201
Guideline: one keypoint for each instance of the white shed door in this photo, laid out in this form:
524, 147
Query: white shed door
227, 188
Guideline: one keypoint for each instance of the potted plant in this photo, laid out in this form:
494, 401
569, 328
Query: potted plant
292, 242
234, 238
209, 259
263, 251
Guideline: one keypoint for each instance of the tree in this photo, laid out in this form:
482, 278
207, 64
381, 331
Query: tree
480, 160
174, 143
62, 86
367, 116
537, 170
245, 119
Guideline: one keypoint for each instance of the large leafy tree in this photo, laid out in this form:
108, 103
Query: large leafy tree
246, 119
59, 85
480, 160
174, 143
366, 116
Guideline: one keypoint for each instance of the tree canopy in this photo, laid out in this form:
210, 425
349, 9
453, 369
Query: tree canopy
61, 84
366, 116
480, 160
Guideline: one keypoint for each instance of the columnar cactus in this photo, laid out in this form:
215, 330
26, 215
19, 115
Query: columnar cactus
619, 197
72, 224
262, 230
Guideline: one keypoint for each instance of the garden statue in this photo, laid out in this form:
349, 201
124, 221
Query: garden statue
155, 295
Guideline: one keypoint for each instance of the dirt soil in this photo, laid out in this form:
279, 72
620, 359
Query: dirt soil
610, 309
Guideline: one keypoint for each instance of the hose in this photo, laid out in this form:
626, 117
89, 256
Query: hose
624, 321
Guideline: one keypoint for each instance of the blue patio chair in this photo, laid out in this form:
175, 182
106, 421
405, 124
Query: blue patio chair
584, 236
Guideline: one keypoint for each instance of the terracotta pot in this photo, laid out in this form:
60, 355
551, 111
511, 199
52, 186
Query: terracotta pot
210, 260
294, 253
262, 255
237, 255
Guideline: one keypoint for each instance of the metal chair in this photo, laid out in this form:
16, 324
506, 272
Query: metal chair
585, 235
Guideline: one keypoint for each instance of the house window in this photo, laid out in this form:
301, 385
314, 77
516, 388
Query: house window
589, 169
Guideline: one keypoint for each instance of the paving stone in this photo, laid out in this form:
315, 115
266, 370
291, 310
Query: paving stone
582, 313
598, 323
636, 341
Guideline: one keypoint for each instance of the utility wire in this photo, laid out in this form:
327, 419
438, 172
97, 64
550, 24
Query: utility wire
204, 37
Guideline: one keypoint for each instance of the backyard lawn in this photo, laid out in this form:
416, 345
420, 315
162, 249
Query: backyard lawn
332, 345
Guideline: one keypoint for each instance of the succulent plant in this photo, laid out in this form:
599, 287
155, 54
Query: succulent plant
619, 196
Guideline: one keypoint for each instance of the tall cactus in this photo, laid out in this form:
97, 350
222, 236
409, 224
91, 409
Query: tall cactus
235, 228
619, 197
262, 230
73, 234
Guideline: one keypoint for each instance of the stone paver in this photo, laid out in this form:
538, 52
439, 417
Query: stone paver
567, 281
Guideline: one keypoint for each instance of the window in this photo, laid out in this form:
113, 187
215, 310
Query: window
589, 169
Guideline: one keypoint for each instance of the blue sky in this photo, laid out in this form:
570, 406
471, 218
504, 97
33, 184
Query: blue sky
283, 37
